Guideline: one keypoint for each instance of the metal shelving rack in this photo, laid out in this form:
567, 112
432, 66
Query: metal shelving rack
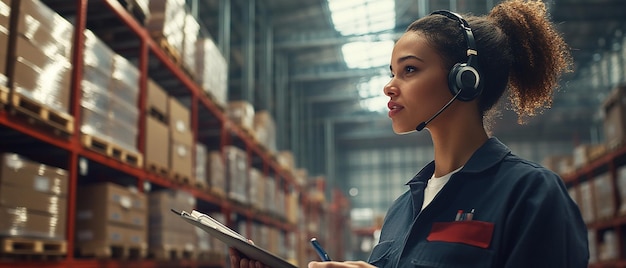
607, 163
66, 151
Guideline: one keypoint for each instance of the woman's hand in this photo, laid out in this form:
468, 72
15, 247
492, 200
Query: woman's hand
345, 264
238, 260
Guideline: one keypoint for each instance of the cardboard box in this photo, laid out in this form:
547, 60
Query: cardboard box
216, 173
45, 28
22, 173
87, 215
127, 197
181, 156
161, 217
179, 120
604, 203
615, 117
23, 222
34, 201
157, 100
97, 54
5, 12
4, 39
101, 232
242, 113
157, 136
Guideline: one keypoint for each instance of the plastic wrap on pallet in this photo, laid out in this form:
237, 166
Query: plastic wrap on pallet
124, 135
192, 30
94, 121
20, 221
167, 19
216, 172
160, 203
265, 130
45, 28
19, 171
33, 198
242, 113
5, 11
122, 111
125, 72
95, 97
255, 189
200, 165
270, 193
97, 54
237, 170
212, 70
40, 77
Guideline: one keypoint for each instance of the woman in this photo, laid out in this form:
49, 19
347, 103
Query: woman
477, 204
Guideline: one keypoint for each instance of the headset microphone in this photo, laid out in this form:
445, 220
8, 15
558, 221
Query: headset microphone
423, 124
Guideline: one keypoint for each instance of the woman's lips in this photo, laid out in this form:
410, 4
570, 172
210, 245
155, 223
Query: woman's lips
394, 108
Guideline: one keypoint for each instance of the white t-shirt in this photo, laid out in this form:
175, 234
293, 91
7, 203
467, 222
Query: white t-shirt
435, 185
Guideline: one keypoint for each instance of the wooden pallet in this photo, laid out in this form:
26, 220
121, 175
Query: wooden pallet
169, 50
4, 95
181, 179
217, 192
169, 253
112, 251
31, 246
157, 169
110, 149
38, 112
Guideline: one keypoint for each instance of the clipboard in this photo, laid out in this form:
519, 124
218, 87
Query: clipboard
233, 239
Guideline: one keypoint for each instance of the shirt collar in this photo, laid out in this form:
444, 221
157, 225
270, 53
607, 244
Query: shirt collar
487, 155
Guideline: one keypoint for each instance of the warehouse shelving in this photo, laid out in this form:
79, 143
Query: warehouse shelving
67, 152
608, 163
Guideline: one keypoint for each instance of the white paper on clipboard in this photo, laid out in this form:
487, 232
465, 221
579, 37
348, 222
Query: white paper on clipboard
233, 239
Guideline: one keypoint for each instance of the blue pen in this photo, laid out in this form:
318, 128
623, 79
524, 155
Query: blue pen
320, 251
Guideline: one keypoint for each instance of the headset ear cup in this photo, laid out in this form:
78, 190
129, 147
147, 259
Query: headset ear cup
464, 77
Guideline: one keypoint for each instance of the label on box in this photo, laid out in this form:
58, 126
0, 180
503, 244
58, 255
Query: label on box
41, 184
14, 162
181, 150
115, 236
85, 235
180, 126
84, 214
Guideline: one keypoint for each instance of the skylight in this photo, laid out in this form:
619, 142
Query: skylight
364, 17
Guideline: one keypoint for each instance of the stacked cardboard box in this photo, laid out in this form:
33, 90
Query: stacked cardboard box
170, 237
5, 12
110, 215
40, 66
604, 197
181, 142
33, 199
110, 91
265, 130
216, 173
212, 71
615, 117
200, 166
242, 114
167, 20
237, 174
256, 190
157, 130
190, 38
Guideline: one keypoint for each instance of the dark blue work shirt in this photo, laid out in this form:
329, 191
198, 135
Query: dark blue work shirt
523, 217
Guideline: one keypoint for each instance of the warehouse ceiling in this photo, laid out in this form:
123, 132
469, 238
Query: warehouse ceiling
331, 93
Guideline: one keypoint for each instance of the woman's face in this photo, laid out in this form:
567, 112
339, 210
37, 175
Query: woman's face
419, 85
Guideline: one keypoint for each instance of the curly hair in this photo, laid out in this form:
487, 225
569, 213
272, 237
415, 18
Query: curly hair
518, 47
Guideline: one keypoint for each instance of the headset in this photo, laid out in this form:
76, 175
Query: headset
464, 80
